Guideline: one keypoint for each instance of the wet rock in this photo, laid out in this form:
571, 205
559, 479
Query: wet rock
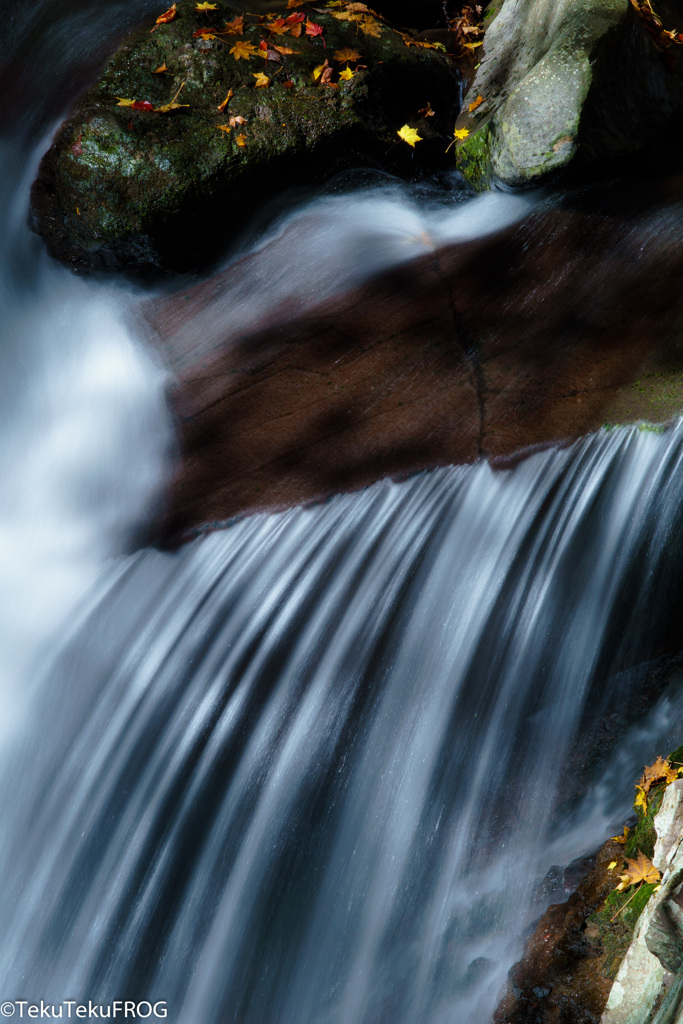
559, 977
147, 190
492, 348
568, 84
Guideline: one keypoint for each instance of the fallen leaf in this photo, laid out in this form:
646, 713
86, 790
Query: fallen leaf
313, 29
409, 135
347, 74
426, 111
223, 105
262, 81
224, 127
461, 133
476, 103
660, 771
237, 119
206, 7
205, 33
283, 49
346, 55
241, 141
167, 16
370, 27
242, 50
160, 70
640, 870
611, 866
621, 839
172, 105
234, 27
135, 104
289, 84
279, 27
641, 799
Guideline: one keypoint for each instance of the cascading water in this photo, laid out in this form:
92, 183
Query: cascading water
311, 768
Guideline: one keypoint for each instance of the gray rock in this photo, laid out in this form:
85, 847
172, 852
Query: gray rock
564, 82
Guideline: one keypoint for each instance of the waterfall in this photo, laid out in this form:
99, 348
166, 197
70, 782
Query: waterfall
308, 768
324, 766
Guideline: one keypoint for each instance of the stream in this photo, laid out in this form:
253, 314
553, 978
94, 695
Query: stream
324, 766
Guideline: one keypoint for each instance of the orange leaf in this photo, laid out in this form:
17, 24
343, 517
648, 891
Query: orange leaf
477, 103
160, 70
223, 105
234, 27
237, 119
347, 54
168, 15
241, 141
313, 29
242, 50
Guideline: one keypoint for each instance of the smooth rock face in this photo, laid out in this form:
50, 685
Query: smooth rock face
565, 82
483, 349
146, 191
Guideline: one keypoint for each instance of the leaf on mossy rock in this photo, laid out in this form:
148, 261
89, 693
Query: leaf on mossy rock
243, 50
167, 16
409, 135
660, 771
639, 870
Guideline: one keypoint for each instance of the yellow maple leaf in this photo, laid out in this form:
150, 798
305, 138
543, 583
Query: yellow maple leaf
172, 105
347, 74
262, 81
369, 26
206, 7
205, 33
476, 103
241, 141
221, 106
611, 866
660, 771
242, 50
640, 870
124, 103
224, 127
461, 133
409, 135
346, 55
641, 799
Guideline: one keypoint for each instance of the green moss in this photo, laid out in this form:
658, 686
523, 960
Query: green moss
473, 159
613, 925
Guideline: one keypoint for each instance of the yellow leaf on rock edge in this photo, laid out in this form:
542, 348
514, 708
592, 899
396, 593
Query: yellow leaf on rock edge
160, 70
641, 799
167, 16
640, 870
242, 50
409, 135
262, 81
224, 127
172, 105
660, 771
611, 866
461, 133
347, 74
206, 7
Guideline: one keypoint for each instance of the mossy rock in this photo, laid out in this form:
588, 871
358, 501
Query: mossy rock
565, 86
151, 191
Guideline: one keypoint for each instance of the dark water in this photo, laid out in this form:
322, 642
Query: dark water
312, 768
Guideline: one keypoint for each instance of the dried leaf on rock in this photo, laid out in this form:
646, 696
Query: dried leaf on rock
160, 70
475, 103
461, 133
639, 870
135, 104
243, 50
262, 81
241, 141
313, 29
205, 33
224, 127
409, 135
172, 105
237, 119
234, 27
221, 106
660, 771
167, 16
345, 55
426, 111
206, 7
347, 74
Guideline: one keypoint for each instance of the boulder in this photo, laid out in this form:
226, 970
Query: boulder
565, 85
152, 172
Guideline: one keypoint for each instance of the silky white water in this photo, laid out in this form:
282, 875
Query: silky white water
311, 769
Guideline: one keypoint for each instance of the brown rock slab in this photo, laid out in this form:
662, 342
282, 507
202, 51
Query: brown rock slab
528, 338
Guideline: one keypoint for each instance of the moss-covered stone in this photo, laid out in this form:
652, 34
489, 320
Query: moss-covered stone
567, 83
146, 190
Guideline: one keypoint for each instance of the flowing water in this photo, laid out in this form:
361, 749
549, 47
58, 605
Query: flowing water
310, 769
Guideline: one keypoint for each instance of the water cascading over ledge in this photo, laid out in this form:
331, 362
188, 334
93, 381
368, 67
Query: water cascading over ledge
310, 768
